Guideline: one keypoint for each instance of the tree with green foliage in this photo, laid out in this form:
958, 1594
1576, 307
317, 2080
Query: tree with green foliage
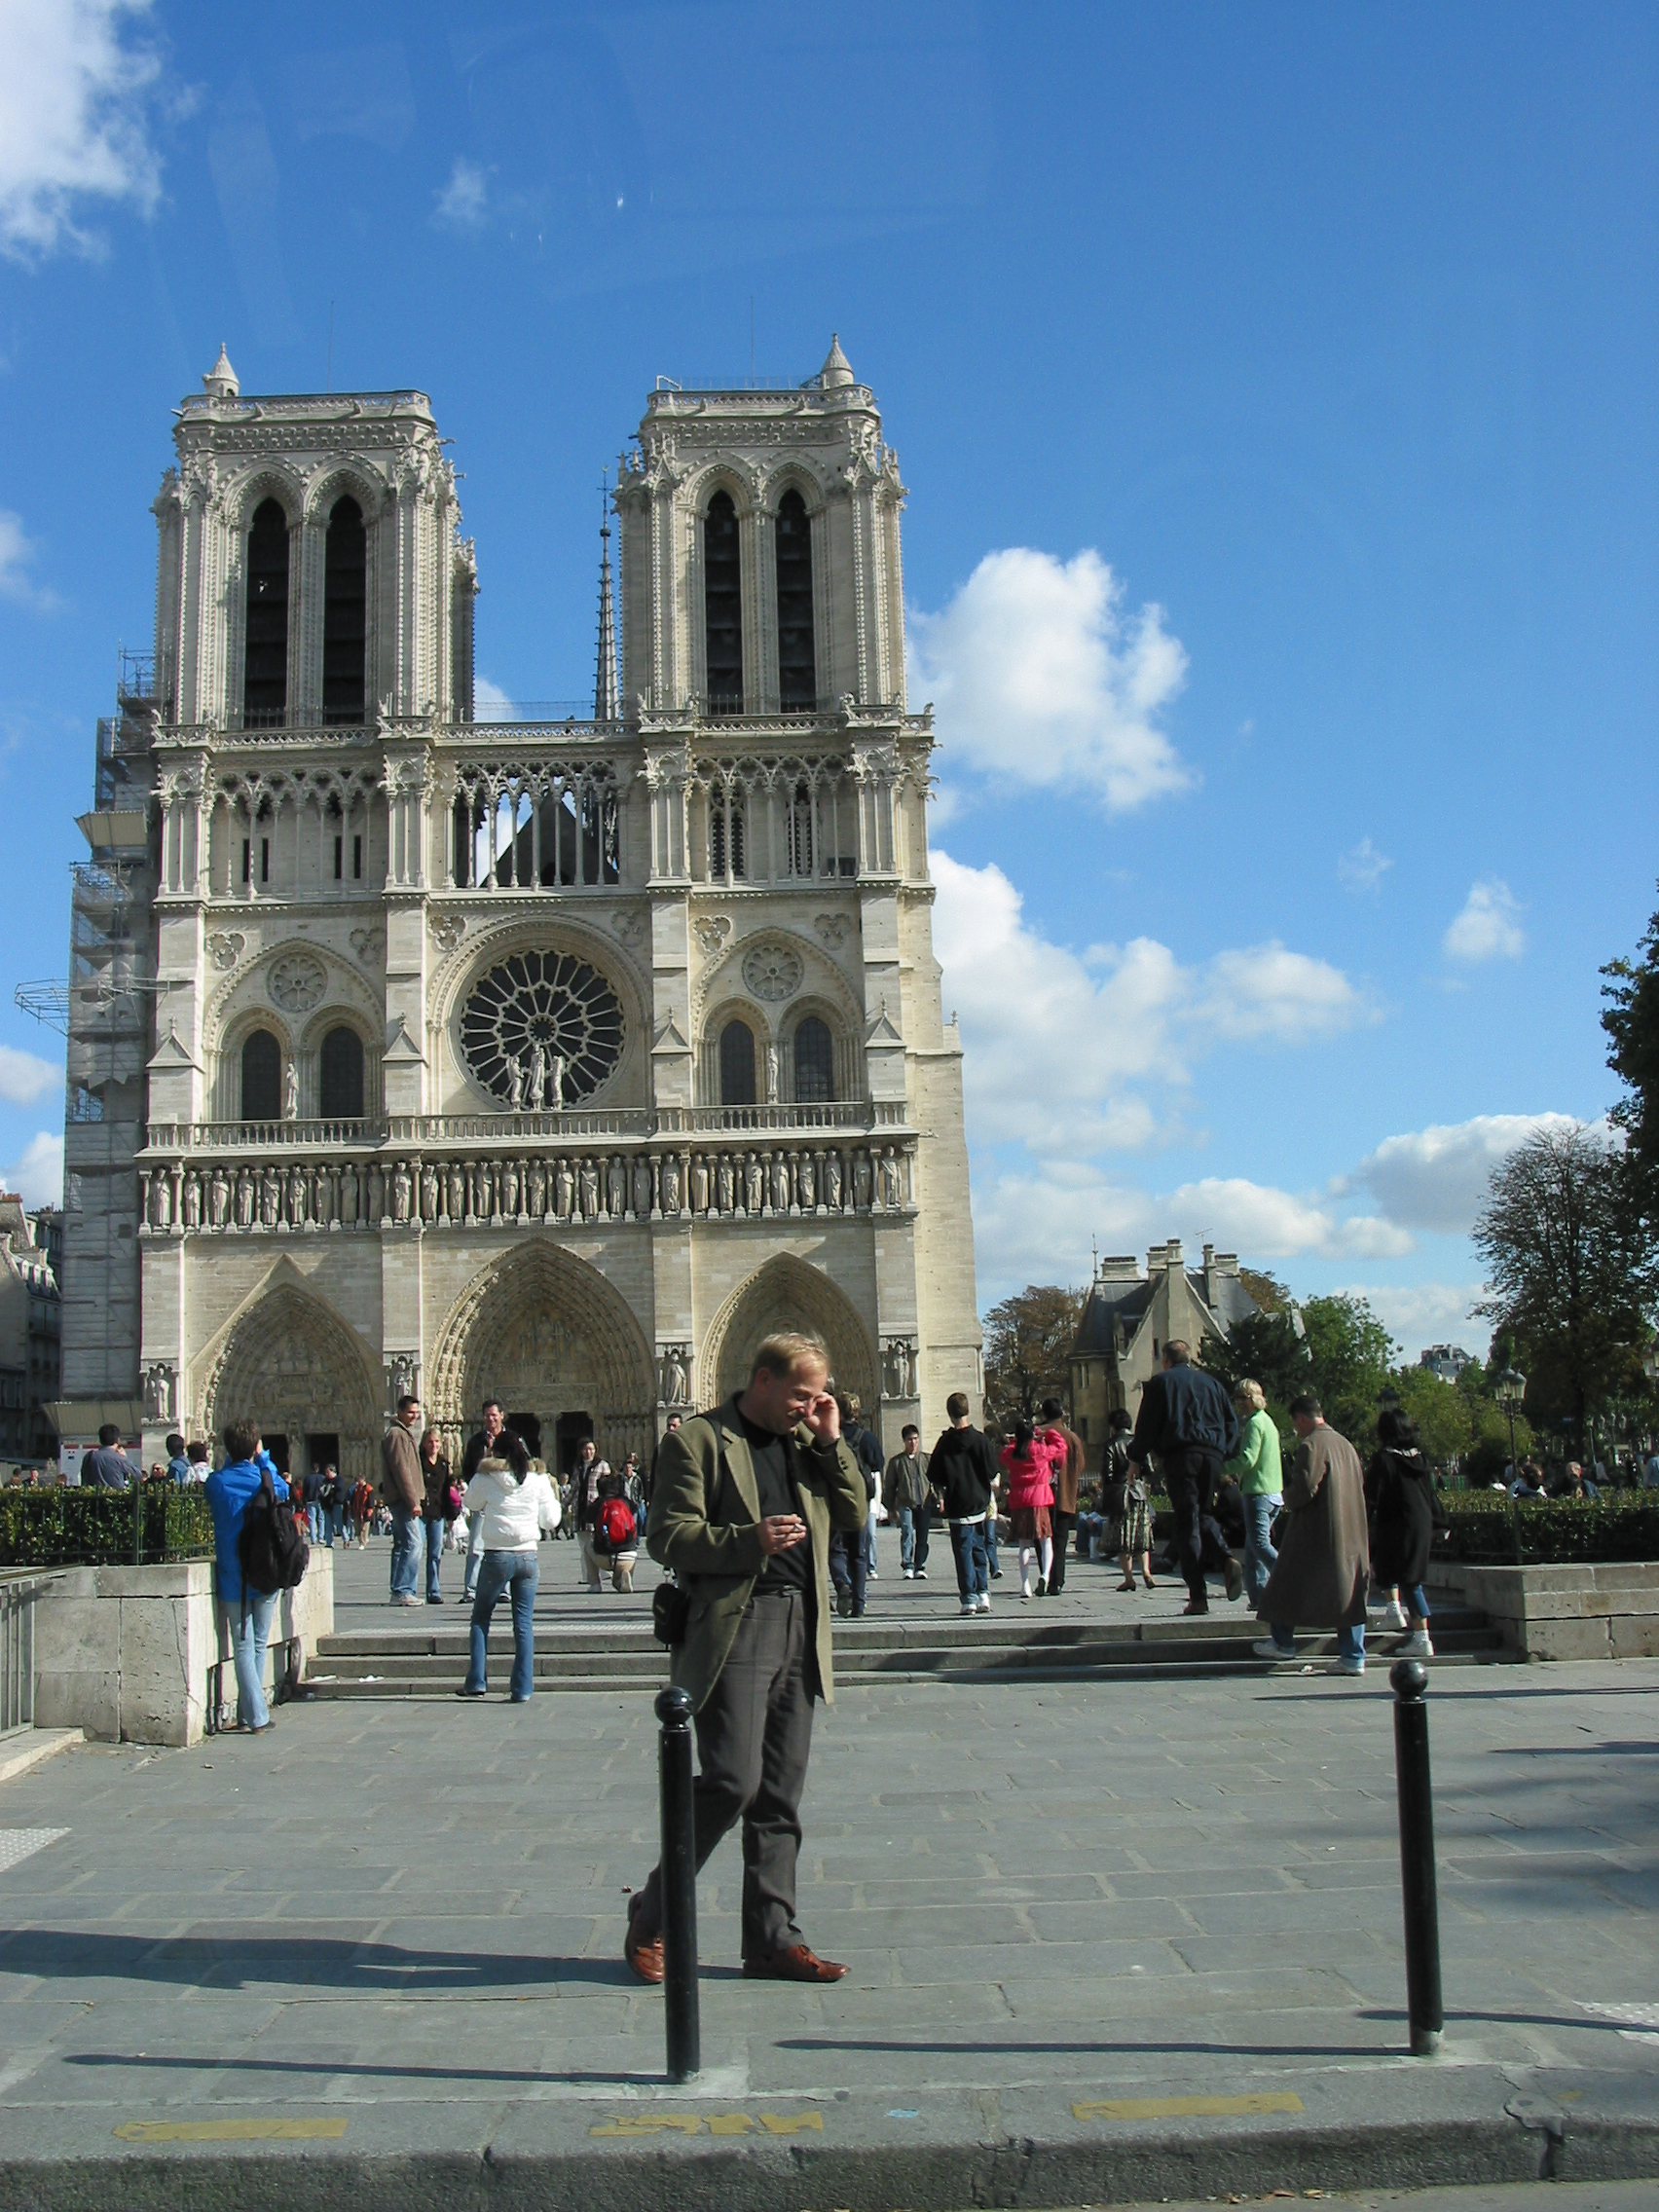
1631, 1019
1350, 1354
1440, 1410
1268, 1348
1028, 1342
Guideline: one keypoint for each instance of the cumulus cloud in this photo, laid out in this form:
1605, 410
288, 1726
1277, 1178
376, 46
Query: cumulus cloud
23, 1076
38, 1176
1436, 1178
463, 202
1362, 867
1489, 928
1064, 1050
16, 559
1040, 674
1422, 1314
74, 121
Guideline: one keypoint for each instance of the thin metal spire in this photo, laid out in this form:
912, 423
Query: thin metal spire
607, 692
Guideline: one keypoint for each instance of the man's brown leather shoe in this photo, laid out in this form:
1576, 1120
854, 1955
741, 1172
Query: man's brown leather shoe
642, 1954
793, 1963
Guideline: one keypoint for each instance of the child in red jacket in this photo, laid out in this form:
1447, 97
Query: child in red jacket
1029, 1462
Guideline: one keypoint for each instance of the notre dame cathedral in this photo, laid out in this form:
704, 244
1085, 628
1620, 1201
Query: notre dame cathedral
555, 1059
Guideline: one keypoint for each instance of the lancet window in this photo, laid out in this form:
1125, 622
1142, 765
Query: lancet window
798, 682
737, 1064
265, 673
261, 1077
776, 820
340, 1075
722, 606
344, 613
814, 1062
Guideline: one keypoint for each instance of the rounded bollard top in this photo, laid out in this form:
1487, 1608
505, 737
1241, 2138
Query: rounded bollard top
1408, 1678
674, 1709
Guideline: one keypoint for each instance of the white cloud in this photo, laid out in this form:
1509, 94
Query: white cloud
17, 558
38, 1175
463, 201
23, 1076
1422, 1314
1363, 868
1040, 676
490, 703
1489, 928
73, 120
1437, 1177
1062, 1050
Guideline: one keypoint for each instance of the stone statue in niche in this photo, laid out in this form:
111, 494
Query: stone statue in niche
617, 1188
161, 1201
428, 1193
892, 1180
322, 1212
515, 1086
219, 1198
537, 1183
753, 1184
807, 1183
564, 1190
832, 1181
641, 1190
699, 1184
537, 1088
724, 1184
299, 1198
401, 1192
456, 1194
556, 1081
349, 1192
270, 1199
486, 1192
590, 1191
191, 1208
772, 1068
510, 1190
781, 1183
377, 1193
676, 1383
290, 1093
863, 1181
671, 1184
159, 1392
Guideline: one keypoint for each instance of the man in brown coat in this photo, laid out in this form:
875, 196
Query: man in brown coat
1062, 1518
403, 1486
1323, 1570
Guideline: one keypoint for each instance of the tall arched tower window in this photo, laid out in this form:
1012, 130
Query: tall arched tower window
261, 1078
344, 613
814, 1062
737, 1064
797, 681
264, 674
342, 1076
722, 606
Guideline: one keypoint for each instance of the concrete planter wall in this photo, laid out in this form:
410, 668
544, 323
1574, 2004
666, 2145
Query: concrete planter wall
124, 1653
1609, 1611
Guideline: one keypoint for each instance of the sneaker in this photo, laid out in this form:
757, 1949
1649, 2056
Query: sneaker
909, 1573
872, 1576
410, 1600
920, 1574
984, 1600
1348, 1667
1235, 1576
968, 1609
996, 1574
1393, 1614
1416, 1646
1265, 1648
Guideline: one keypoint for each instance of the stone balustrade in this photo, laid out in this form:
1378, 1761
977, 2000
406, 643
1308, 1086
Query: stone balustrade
565, 1126
571, 1185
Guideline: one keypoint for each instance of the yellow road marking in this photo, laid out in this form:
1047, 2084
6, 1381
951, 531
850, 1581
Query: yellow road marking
719, 2123
231, 2130
1186, 2108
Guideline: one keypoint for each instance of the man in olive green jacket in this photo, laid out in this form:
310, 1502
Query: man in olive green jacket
741, 1511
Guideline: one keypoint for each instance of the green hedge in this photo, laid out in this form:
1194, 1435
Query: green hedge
55, 1526
1489, 1528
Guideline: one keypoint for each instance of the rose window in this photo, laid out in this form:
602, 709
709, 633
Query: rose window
534, 1009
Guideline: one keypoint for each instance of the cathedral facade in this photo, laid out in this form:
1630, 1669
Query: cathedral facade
554, 1060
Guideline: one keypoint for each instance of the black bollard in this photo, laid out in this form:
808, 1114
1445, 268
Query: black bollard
679, 1887
1409, 1679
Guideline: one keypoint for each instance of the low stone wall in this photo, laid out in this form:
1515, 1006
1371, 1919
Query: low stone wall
124, 1653
1606, 1611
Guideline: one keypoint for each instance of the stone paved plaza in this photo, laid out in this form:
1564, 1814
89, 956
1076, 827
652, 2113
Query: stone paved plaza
394, 1928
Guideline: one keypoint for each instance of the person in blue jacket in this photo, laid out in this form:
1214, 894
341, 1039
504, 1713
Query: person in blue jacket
228, 1490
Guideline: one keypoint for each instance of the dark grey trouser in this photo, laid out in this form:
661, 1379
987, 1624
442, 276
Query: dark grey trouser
754, 1740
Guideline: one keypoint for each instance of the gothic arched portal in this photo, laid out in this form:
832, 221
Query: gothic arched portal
546, 1334
786, 1294
291, 1364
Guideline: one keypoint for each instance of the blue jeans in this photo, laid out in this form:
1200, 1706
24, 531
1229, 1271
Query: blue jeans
988, 1540
1259, 1552
906, 1521
849, 1566
1351, 1641
332, 1522
968, 1542
474, 1553
1415, 1597
500, 1571
408, 1544
434, 1553
250, 1627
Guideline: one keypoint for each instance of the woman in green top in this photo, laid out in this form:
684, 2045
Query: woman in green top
1255, 1467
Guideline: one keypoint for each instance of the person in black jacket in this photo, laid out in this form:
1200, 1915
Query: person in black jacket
1399, 1492
1186, 1421
851, 1562
962, 1471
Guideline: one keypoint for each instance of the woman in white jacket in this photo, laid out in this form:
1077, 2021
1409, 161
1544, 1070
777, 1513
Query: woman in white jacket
520, 1506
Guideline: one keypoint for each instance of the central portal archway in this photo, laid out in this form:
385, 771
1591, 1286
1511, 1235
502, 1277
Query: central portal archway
789, 1294
546, 1334
292, 1365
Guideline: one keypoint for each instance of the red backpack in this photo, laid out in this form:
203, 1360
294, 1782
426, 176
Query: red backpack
616, 1524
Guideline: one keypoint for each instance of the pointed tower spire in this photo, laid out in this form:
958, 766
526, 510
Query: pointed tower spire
606, 696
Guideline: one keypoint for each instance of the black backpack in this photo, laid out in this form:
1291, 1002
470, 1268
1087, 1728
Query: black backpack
271, 1547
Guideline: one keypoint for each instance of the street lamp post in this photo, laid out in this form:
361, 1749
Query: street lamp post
1509, 1389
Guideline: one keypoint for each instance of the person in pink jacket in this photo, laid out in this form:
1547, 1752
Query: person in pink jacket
1029, 1463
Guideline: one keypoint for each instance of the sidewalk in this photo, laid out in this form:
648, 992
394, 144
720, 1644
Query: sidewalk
1121, 1944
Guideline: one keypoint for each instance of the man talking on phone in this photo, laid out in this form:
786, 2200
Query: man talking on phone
741, 1511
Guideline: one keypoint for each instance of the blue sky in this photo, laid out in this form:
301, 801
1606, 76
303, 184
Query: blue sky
1274, 388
